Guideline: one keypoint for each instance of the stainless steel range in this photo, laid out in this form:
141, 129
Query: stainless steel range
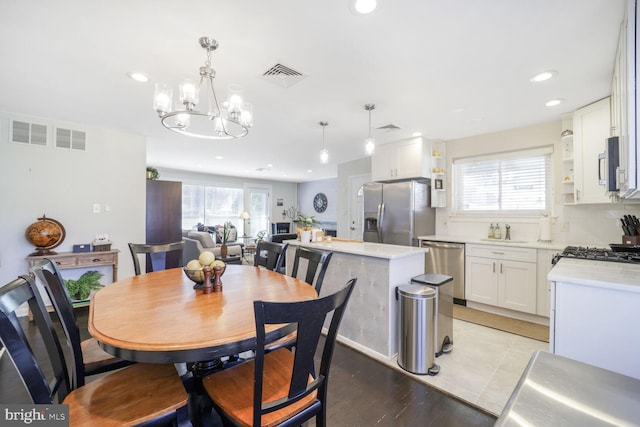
617, 253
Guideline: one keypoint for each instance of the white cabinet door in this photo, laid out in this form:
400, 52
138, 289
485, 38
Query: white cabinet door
517, 286
401, 160
591, 128
383, 163
481, 279
410, 159
501, 276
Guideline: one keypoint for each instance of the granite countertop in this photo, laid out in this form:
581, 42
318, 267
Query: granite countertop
502, 242
612, 275
375, 250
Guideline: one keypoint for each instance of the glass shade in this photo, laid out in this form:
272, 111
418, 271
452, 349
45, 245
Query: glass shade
189, 92
162, 98
324, 156
370, 146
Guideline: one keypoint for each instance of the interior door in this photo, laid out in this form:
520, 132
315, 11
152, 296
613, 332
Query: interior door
356, 204
258, 204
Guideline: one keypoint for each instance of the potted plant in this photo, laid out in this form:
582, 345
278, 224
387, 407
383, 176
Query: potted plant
80, 289
226, 231
307, 223
152, 173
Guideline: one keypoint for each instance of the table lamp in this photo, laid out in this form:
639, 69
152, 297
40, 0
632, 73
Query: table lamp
244, 216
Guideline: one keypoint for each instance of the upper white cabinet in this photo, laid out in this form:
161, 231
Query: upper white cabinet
591, 128
404, 159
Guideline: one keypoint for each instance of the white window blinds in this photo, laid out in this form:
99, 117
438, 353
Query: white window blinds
515, 182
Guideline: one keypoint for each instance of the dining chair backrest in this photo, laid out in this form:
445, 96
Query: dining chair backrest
315, 258
158, 255
41, 389
270, 255
97, 361
309, 316
49, 276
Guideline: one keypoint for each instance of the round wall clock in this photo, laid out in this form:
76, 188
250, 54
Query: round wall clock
320, 202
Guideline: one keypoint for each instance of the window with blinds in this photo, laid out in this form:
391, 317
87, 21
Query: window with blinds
515, 182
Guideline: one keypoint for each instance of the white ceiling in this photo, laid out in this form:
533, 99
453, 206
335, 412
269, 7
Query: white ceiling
419, 61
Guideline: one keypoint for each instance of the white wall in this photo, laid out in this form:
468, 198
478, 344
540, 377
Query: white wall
592, 225
64, 185
308, 190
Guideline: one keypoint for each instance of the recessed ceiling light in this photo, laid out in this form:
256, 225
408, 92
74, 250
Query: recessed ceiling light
554, 102
309, 170
139, 77
416, 134
543, 76
365, 6
219, 157
457, 110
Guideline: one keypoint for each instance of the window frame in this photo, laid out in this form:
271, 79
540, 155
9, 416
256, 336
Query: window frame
544, 151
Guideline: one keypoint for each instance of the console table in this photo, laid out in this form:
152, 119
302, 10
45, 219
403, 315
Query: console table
69, 260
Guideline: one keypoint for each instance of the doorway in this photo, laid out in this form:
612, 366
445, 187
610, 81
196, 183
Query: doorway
258, 204
355, 204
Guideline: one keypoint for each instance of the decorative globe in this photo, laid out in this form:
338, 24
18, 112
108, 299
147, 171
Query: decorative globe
45, 235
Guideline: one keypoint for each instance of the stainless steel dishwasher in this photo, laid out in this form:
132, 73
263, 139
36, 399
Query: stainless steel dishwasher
447, 258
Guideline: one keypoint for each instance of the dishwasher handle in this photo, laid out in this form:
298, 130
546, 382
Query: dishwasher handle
442, 245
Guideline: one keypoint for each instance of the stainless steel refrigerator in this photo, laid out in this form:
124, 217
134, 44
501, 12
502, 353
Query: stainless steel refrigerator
398, 212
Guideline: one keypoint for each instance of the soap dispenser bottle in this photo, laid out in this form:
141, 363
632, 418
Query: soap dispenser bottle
497, 234
491, 231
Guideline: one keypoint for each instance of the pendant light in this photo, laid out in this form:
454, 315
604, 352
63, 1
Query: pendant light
324, 154
370, 143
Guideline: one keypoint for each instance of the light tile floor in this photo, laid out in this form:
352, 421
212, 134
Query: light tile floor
484, 366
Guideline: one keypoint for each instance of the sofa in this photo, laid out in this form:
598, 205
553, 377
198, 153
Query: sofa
197, 241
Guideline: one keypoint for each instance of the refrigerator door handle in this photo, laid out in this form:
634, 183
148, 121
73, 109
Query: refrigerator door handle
380, 222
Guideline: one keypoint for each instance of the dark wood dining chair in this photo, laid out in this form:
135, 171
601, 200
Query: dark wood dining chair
315, 259
158, 255
280, 387
270, 255
88, 357
140, 393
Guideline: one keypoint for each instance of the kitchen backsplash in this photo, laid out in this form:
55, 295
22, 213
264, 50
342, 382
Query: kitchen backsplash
586, 225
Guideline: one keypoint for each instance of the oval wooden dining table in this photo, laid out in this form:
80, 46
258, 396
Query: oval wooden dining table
159, 318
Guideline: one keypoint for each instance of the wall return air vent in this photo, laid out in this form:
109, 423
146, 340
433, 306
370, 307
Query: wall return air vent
29, 133
282, 75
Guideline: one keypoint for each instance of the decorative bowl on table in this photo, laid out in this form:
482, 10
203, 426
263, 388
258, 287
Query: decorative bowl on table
197, 276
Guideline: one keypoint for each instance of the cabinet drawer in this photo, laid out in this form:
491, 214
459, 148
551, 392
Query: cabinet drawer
512, 253
97, 260
63, 262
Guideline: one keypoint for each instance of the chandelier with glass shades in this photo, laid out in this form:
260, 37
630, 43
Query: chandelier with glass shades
209, 119
369, 142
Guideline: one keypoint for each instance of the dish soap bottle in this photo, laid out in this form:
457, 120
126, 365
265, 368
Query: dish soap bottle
497, 234
491, 232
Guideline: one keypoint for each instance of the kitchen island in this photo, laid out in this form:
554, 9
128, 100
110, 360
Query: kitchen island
370, 321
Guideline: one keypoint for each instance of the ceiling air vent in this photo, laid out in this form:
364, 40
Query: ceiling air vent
282, 75
71, 139
389, 127
28, 133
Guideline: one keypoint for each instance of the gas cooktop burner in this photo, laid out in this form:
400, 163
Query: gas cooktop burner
599, 254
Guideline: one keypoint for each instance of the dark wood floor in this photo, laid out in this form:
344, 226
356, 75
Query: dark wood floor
362, 392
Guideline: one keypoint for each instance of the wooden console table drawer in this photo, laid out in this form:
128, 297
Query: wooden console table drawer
68, 260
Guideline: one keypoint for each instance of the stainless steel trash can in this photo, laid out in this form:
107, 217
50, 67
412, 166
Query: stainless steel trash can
416, 351
443, 285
